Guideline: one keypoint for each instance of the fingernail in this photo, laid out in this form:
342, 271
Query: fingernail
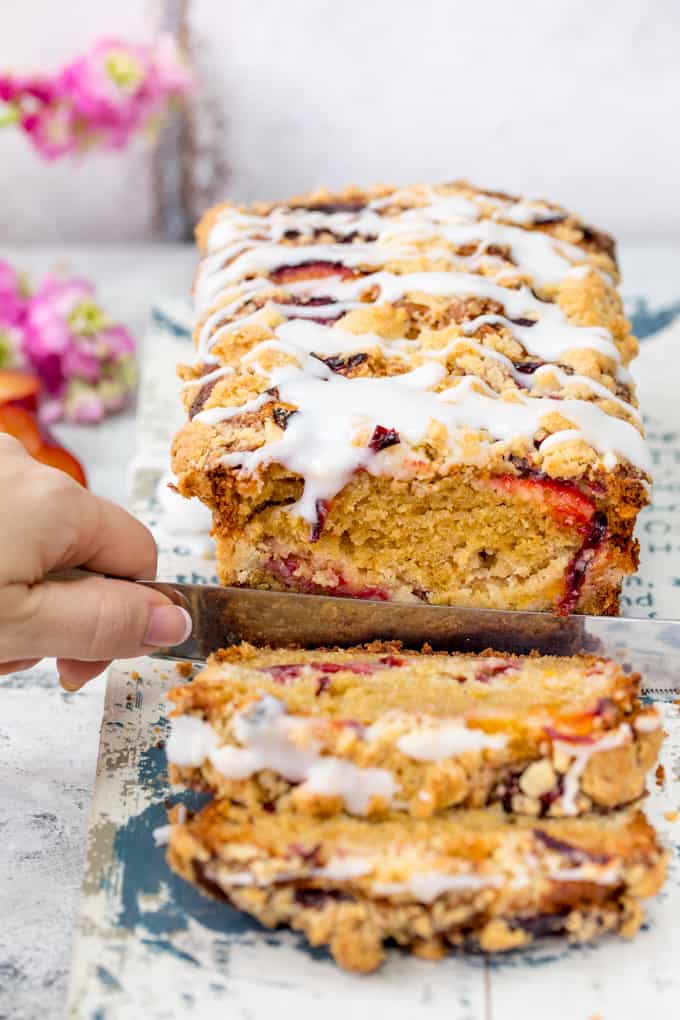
68, 686
168, 625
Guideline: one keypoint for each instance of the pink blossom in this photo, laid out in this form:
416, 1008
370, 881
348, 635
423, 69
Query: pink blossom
83, 405
114, 395
48, 334
63, 295
51, 410
49, 330
34, 86
169, 74
53, 130
103, 88
83, 359
116, 340
78, 361
12, 300
103, 98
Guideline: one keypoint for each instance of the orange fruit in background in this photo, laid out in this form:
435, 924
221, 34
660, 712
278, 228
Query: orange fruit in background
21, 424
18, 422
20, 389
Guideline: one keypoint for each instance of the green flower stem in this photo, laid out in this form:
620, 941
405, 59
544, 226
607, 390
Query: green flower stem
9, 114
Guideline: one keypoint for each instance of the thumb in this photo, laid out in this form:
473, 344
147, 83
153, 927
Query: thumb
95, 618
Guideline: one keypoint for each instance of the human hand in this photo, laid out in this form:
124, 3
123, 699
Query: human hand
49, 522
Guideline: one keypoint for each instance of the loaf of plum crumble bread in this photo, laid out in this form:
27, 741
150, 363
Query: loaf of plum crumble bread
415, 394
472, 879
377, 729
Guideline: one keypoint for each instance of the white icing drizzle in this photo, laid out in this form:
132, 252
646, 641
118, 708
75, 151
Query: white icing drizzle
206, 338
266, 735
324, 442
252, 242
215, 415
551, 335
313, 337
648, 722
319, 442
161, 835
587, 873
581, 755
296, 337
448, 739
267, 257
241, 878
190, 742
423, 886
209, 377
427, 886
339, 869
330, 776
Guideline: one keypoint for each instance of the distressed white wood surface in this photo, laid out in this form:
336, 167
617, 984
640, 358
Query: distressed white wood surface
48, 739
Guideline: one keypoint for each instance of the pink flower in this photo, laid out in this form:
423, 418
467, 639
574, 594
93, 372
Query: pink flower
169, 74
83, 405
51, 326
103, 88
50, 339
12, 298
63, 295
14, 87
78, 361
51, 410
102, 99
115, 395
116, 340
53, 130
84, 360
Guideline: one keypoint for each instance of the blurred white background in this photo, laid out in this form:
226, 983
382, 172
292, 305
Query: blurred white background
574, 100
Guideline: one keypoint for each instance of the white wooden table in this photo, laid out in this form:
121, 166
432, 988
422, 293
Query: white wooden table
49, 739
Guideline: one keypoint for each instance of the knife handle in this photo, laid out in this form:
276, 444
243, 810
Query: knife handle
163, 587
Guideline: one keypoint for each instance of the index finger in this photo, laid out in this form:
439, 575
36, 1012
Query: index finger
109, 539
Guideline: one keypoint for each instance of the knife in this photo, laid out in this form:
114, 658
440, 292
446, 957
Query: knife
227, 616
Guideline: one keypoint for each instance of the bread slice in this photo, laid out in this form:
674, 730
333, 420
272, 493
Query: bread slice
377, 729
473, 879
